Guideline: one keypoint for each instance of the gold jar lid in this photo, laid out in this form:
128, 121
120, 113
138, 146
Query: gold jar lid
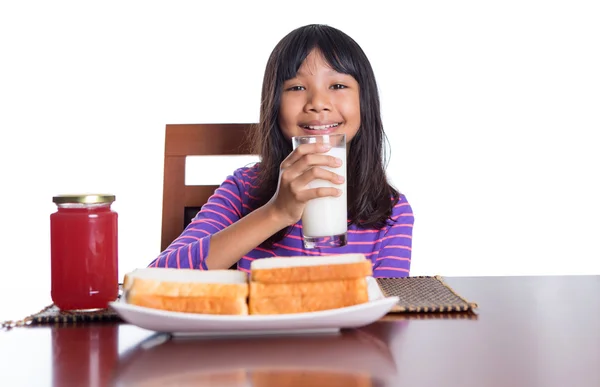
84, 199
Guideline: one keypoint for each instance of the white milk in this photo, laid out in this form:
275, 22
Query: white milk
329, 215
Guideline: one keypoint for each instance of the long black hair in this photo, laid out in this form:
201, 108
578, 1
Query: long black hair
370, 196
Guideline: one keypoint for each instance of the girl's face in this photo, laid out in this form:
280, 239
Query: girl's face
319, 100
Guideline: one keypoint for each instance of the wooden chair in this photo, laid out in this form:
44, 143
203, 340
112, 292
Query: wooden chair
181, 202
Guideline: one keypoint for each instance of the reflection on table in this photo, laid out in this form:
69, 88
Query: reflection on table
351, 358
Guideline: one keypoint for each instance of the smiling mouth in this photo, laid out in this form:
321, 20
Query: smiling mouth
321, 127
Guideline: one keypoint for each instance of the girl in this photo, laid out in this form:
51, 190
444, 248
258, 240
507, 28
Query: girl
317, 81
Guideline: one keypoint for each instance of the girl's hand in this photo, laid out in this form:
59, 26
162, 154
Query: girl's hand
295, 173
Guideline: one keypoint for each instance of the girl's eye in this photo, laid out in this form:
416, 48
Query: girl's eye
338, 86
296, 88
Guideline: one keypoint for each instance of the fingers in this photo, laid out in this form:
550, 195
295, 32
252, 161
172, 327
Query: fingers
314, 193
303, 150
306, 165
315, 173
303, 194
303, 159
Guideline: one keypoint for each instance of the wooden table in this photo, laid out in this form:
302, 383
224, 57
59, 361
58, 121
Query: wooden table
529, 331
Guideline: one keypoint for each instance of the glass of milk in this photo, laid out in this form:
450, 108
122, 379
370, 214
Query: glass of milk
325, 220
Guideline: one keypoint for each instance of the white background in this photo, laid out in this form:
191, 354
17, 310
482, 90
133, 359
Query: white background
491, 108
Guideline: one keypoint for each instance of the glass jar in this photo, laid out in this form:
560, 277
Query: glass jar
84, 262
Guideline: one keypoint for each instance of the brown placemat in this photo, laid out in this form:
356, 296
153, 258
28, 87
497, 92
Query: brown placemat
52, 315
423, 294
417, 295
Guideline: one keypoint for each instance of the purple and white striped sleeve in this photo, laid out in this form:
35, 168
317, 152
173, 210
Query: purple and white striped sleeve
191, 248
394, 256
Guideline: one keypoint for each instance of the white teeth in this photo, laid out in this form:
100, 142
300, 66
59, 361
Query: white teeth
320, 127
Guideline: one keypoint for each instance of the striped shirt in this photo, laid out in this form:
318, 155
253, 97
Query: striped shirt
389, 248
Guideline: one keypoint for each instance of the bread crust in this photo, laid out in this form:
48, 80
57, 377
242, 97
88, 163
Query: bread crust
198, 378
185, 289
313, 273
329, 288
302, 378
303, 304
202, 305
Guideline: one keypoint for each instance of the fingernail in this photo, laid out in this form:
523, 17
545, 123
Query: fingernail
340, 179
325, 147
338, 161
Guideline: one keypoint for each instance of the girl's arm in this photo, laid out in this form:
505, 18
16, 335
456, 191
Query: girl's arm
285, 208
394, 257
218, 236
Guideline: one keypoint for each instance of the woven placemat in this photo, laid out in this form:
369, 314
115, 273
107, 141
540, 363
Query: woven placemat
417, 295
423, 294
53, 315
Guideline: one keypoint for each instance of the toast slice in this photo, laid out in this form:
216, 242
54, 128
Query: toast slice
187, 282
307, 303
187, 290
309, 269
203, 305
283, 285
302, 378
299, 289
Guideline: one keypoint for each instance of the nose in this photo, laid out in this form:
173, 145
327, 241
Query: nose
317, 101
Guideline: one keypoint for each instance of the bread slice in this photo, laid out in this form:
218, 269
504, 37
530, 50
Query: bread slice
303, 378
309, 269
191, 376
204, 305
304, 304
187, 282
188, 291
298, 289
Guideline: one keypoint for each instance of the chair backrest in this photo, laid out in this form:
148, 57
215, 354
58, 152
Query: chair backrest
181, 202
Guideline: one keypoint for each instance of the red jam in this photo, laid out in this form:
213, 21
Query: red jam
84, 252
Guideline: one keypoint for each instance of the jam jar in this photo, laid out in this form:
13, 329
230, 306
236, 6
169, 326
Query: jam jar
84, 252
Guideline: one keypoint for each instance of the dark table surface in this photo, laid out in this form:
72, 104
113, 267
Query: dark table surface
528, 331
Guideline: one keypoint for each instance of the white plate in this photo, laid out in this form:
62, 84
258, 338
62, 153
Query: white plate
326, 321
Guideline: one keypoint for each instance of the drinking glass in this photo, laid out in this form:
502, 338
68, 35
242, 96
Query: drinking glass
325, 220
